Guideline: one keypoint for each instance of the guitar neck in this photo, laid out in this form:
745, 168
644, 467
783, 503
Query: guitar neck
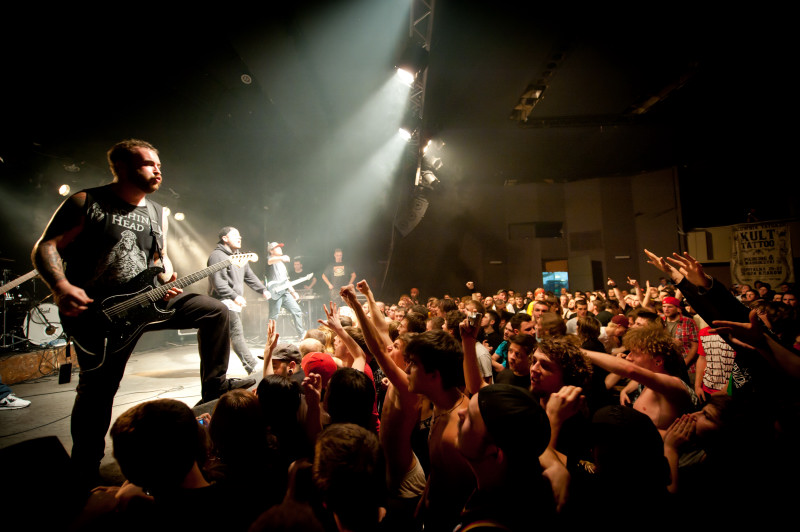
159, 292
18, 281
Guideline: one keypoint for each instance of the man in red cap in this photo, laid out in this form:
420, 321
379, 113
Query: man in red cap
682, 328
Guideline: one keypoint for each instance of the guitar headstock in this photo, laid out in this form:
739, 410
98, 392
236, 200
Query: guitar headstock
240, 259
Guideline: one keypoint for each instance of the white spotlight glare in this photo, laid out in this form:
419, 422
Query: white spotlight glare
63, 190
179, 216
405, 76
167, 211
406, 134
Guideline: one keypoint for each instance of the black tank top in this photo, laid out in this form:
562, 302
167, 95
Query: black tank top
117, 242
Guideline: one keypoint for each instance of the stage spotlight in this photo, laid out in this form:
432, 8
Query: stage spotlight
167, 211
427, 179
413, 61
179, 216
409, 126
63, 190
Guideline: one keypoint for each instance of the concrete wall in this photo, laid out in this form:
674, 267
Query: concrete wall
607, 222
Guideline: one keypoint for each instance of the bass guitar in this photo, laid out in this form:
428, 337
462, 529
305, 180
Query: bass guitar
116, 319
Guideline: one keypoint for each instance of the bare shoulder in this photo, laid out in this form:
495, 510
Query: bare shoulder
68, 218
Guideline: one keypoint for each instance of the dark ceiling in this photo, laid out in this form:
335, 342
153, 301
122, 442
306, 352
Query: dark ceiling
714, 86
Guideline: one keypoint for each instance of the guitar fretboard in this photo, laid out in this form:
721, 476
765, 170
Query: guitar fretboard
158, 293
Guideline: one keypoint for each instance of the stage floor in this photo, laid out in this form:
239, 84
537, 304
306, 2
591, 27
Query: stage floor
170, 372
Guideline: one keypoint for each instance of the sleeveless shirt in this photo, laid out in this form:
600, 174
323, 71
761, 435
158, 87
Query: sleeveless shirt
118, 241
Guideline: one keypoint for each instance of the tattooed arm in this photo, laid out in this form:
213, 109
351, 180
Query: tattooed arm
66, 224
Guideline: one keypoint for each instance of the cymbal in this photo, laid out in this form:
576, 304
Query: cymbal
3, 259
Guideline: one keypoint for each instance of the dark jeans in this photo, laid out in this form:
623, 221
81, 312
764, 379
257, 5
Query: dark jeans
91, 414
239, 345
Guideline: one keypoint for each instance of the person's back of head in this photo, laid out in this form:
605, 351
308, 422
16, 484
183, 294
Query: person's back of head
588, 328
628, 448
452, 323
517, 424
415, 321
446, 305
552, 325
237, 427
350, 397
358, 335
156, 444
435, 323
643, 315
422, 310
310, 345
279, 398
348, 471
438, 351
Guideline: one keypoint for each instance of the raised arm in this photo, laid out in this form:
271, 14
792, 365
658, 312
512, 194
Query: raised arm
659, 382
646, 298
333, 323
664, 266
269, 347
752, 335
612, 284
377, 345
472, 374
376, 315
636, 289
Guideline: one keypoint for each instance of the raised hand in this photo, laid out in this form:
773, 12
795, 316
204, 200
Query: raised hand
348, 294
332, 315
363, 287
272, 341
690, 268
751, 334
664, 266
470, 331
312, 388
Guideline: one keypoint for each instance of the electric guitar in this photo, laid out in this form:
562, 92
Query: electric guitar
18, 281
278, 286
116, 319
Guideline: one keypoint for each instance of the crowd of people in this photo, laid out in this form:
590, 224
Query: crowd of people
666, 404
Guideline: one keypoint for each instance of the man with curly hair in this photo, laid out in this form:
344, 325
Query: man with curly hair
656, 363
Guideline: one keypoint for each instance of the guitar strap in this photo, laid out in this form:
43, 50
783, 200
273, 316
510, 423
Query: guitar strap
155, 232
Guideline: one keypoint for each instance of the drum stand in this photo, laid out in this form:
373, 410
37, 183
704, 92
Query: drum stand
9, 338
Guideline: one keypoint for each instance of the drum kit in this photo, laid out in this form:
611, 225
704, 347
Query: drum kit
27, 321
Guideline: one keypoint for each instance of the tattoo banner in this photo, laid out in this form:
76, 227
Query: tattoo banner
761, 252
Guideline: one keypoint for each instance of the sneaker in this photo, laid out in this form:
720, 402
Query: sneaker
234, 384
11, 401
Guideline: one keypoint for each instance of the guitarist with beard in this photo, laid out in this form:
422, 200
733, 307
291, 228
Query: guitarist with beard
283, 293
107, 238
